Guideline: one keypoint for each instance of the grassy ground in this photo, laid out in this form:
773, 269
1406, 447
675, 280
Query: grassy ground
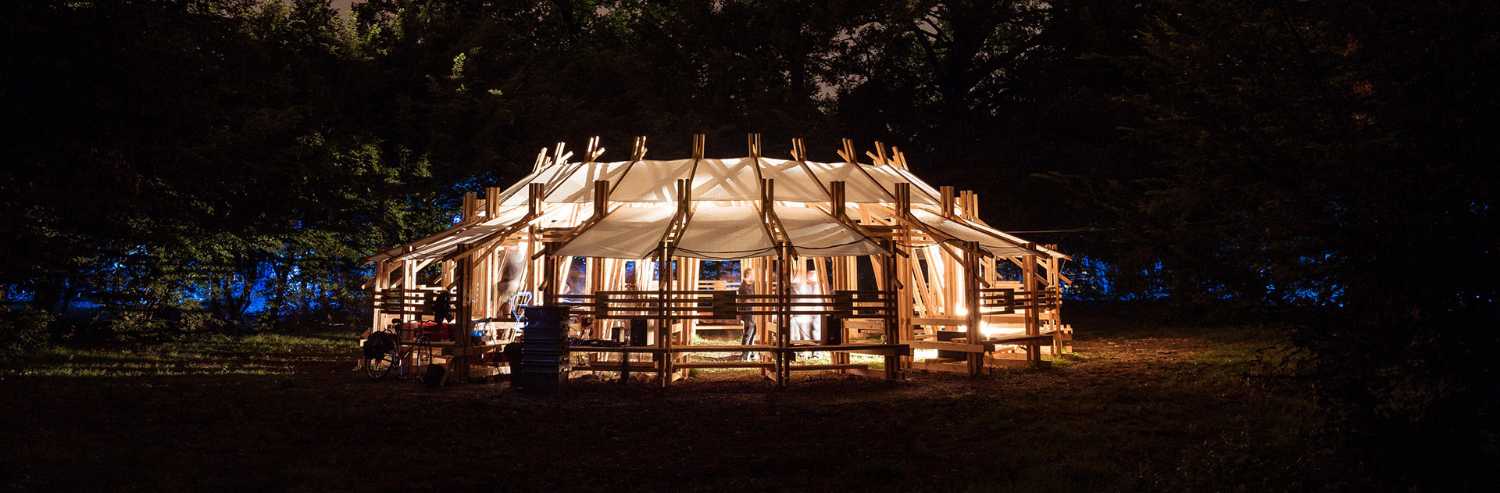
1132, 410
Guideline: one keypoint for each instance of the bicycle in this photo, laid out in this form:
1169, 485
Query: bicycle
385, 355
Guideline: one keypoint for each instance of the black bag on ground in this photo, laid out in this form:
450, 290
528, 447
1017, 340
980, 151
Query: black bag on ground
378, 344
433, 377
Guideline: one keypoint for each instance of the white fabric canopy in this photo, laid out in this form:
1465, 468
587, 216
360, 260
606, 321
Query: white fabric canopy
627, 232
577, 187
652, 181
466, 234
964, 231
516, 195
558, 217
815, 233
725, 232
980, 225
726, 221
793, 183
725, 179
731, 179
865, 184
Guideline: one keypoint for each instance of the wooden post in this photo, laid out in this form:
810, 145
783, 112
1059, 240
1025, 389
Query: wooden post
836, 192
466, 211
664, 320
901, 265
946, 202
531, 274
894, 303
534, 194
549, 274
1028, 274
1054, 282
491, 203
783, 310
462, 341
971, 302
377, 294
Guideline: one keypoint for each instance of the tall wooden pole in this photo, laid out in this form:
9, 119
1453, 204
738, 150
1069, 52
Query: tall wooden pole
1028, 273
894, 304
783, 310
462, 341
903, 269
971, 301
664, 321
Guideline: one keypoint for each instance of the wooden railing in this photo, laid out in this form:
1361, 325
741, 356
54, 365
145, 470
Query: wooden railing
723, 305
412, 302
1000, 301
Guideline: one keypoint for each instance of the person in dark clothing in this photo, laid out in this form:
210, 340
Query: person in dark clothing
440, 309
747, 287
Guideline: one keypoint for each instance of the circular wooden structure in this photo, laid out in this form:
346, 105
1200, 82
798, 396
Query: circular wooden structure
863, 264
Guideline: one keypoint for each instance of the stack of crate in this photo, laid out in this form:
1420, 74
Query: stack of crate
543, 362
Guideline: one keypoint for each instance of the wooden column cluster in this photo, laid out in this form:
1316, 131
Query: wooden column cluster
377, 293
464, 270
596, 265
902, 267
971, 301
783, 311
1028, 275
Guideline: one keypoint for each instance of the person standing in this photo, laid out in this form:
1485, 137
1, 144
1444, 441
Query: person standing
747, 321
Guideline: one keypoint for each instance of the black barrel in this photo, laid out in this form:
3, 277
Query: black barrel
543, 362
638, 332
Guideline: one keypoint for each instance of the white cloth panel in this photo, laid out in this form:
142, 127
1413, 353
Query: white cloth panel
724, 232
889, 176
964, 231
506, 216
860, 189
516, 195
564, 215
447, 244
793, 183
814, 233
857, 188
627, 232
980, 225
652, 181
919, 187
443, 246
726, 179
556, 217
578, 187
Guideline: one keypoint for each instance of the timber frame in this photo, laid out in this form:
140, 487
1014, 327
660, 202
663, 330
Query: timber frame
922, 299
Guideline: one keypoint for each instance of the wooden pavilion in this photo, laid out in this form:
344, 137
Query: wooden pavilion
852, 267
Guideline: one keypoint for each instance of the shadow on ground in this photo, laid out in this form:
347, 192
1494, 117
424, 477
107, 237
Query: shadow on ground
1181, 409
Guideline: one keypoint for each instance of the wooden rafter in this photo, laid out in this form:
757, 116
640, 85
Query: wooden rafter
799, 153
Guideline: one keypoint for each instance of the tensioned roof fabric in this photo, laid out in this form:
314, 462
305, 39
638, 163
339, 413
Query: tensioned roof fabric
815, 233
725, 220
552, 218
730, 179
516, 194
965, 231
651, 181
626, 232
724, 232
715, 231
980, 225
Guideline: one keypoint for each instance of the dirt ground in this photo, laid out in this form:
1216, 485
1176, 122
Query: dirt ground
1177, 409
